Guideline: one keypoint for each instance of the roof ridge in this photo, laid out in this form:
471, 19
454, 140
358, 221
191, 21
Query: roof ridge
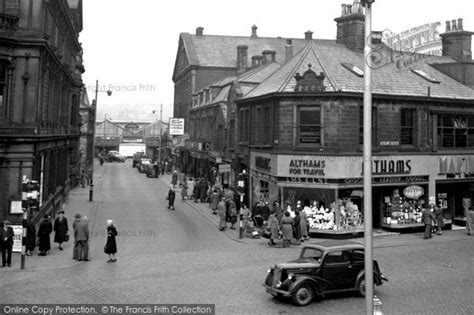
304, 52
326, 70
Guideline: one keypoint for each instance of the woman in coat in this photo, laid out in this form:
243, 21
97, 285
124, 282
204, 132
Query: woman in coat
30, 237
60, 229
222, 214
171, 197
44, 231
110, 247
286, 227
303, 225
214, 201
272, 223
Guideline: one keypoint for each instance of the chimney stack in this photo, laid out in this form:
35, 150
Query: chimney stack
256, 61
308, 35
288, 50
254, 31
199, 31
351, 26
242, 58
268, 56
456, 42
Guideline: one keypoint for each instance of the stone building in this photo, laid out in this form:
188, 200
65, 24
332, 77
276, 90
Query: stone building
40, 75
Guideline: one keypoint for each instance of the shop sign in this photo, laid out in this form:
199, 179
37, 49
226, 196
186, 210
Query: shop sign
132, 140
176, 126
307, 167
387, 180
383, 167
413, 192
17, 237
263, 163
224, 168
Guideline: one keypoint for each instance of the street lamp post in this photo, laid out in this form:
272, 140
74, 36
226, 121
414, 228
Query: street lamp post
369, 273
91, 185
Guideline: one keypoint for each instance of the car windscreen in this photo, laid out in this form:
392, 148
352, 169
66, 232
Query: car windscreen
312, 253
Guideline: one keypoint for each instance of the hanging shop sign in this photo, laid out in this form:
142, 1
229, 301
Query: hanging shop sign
176, 126
413, 192
224, 168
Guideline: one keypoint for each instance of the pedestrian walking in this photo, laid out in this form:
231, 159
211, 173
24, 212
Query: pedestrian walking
428, 218
221, 208
469, 220
231, 212
44, 232
171, 197
203, 191
174, 178
273, 224
61, 229
214, 201
438, 213
30, 236
286, 227
75, 223
184, 189
83, 240
297, 227
6, 237
110, 247
303, 225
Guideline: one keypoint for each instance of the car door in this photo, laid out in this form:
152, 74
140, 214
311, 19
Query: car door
337, 270
357, 264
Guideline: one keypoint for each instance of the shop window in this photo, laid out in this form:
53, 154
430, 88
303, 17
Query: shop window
407, 126
361, 125
455, 131
309, 125
3, 90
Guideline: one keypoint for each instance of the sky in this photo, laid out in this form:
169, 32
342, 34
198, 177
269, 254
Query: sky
130, 46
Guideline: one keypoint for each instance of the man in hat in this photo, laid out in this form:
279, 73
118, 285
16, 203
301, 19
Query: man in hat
6, 235
427, 217
82, 238
77, 220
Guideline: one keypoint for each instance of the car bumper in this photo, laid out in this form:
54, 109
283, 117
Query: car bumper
276, 292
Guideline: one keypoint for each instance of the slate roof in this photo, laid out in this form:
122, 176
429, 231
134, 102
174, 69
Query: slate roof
221, 50
326, 56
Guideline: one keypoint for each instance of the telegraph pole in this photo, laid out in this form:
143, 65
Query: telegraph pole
369, 268
161, 143
91, 183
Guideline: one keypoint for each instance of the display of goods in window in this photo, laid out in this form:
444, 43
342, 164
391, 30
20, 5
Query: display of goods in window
343, 215
405, 211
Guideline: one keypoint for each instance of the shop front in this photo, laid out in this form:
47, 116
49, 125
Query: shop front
330, 188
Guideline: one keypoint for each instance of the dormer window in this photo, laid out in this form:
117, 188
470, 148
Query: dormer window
425, 76
353, 68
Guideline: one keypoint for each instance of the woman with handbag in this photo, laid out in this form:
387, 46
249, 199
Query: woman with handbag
60, 229
110, 247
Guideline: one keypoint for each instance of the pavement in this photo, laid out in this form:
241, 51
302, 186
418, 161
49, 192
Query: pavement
78, 202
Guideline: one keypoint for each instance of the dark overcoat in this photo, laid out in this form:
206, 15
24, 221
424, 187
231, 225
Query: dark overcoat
111, 244
61, 229
44, 231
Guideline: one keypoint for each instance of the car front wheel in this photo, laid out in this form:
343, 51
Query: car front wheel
303, 295
361, 287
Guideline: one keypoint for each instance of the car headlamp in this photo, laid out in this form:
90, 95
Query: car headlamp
278, 284
291, 276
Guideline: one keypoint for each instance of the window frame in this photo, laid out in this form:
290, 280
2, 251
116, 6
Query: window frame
413, 127
314, 107
457, 118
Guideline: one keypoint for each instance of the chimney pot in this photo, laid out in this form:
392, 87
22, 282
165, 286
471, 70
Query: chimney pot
288, 50
453, 25
199, 31
268, 56
356, 7
460, 24
256, 61
349, 9
343, 9
254, 31
308, 35
448, 26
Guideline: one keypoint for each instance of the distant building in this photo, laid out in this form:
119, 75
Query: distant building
40, 80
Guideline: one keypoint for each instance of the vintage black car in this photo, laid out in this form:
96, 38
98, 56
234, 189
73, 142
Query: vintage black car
324, 267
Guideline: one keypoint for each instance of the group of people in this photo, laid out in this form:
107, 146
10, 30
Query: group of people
432, 218
41, 238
